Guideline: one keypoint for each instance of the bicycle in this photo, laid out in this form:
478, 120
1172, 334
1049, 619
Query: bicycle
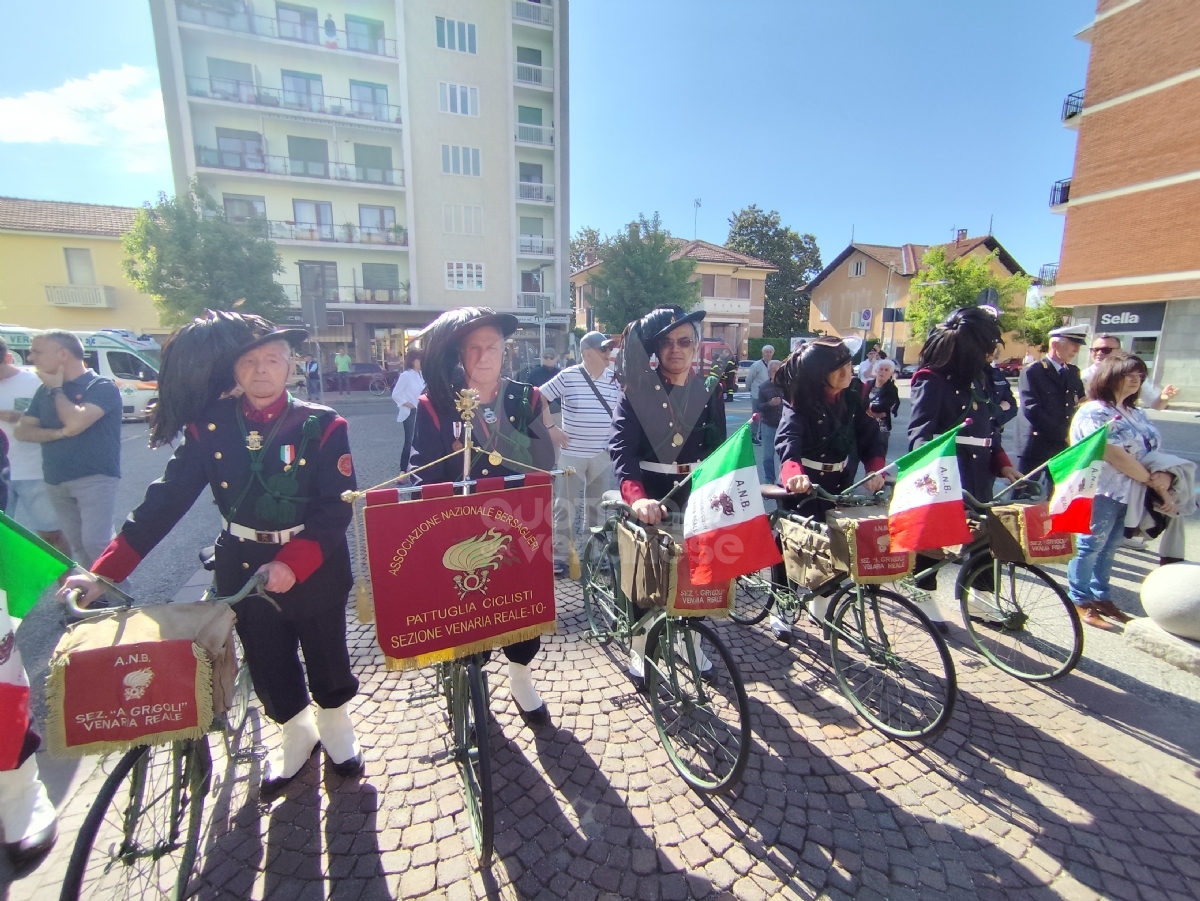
1025, 624
464, 686
701, 712
378, 386
140, 836
889, 661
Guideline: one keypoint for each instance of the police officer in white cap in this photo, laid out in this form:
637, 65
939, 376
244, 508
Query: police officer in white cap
1050, 391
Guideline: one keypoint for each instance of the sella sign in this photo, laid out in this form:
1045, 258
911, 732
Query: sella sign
1140, 317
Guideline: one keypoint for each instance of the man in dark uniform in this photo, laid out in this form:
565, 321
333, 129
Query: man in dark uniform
668, 419
277, 468
1050, 391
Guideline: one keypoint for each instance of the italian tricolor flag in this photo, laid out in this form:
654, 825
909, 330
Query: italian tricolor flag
927, 506
27, 568
725, 525
1075, 472
14, 692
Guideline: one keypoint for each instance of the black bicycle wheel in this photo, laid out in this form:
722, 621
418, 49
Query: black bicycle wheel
139, 838
239, 705
601, 600
701, 711
473, 755
753, 597
1029, 628
891, 664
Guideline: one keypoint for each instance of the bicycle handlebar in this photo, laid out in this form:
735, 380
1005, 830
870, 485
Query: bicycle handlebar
257, 581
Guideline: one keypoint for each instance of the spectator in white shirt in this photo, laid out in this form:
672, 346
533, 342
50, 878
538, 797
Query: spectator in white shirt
1151, 396
755, 379
407, 391
28, 501
589, 394
866, 369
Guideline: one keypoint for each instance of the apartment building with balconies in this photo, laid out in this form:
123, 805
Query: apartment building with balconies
406, 156
1130, 259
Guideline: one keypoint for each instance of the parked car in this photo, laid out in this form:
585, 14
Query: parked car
906, 372
743, 373
1011, 366
365, 377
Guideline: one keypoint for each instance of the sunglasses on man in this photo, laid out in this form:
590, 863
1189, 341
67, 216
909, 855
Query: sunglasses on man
1102, 351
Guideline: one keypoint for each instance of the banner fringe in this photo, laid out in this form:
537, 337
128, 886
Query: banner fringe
403, 664
56, 737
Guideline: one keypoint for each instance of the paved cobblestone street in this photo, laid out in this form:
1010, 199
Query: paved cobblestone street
1028, 794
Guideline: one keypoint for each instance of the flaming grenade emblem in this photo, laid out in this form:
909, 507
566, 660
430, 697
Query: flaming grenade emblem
474, 560
928, 485
7, 643
137, 682
724, 501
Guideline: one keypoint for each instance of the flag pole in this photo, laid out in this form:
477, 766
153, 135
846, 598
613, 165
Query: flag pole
687, 480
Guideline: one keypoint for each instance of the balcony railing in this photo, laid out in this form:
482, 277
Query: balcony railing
535, 193
542, 135
530, 301
1072, 106
1060, 193
282, 165
533, 13
234, 91
535, 76
336, 234
535, 245
1048, 275
236, 16
81, 296
355, 294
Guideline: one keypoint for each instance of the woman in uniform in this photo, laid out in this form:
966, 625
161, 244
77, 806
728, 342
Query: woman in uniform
824, 433
464, 348
952, 385
668, 419
277, 468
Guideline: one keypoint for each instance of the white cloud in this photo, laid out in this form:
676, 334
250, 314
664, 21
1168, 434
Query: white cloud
120, 109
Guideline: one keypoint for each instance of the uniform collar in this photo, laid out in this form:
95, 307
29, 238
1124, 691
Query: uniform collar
266, 414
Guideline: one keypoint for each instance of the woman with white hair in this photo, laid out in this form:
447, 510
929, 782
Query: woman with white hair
882, 395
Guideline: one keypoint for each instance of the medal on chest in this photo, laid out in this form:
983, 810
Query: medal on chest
677, 439
254, 441
495, 458
489, 415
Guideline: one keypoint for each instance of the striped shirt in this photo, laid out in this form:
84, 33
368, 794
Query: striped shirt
585, 420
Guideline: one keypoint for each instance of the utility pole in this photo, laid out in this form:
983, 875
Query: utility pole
696, 219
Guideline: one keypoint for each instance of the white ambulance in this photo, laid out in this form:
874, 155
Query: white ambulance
130, 362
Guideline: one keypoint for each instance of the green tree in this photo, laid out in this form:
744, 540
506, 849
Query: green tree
638, 275
762, 234
189, 258
942, 286
584, 240
1035, 322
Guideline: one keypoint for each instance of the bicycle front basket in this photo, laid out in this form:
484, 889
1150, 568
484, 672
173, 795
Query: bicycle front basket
807, 555
861, 546
1020, 533
648, 570
150, 675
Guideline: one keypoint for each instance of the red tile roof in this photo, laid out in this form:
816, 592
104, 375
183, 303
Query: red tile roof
18, 214
906, 258
704, 252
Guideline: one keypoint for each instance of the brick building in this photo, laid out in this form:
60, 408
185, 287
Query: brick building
1130, 261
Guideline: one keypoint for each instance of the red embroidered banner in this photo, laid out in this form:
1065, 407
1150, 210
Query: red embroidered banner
699, 600
452, 576
1041, 545
129, 692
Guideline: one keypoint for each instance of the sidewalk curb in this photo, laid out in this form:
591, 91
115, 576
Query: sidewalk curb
1147, 636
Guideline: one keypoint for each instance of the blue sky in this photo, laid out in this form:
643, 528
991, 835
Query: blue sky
899, 120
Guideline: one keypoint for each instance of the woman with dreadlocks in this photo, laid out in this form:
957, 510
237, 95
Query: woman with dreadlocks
277, 468
952, 386
668, 419
464, 348
825, 431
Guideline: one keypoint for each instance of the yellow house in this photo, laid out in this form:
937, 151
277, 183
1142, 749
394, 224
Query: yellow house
732, 293
865, 290
60, 267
